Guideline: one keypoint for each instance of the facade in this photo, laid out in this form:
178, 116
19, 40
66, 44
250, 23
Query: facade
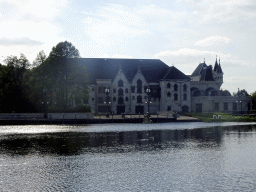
128, 81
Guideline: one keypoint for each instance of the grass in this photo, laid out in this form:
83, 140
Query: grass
225, 117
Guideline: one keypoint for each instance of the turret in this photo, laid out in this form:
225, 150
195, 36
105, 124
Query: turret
217, 72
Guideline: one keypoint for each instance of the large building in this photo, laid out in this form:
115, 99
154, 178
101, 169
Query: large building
130, 80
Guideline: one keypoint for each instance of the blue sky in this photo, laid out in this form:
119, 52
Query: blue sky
179, 32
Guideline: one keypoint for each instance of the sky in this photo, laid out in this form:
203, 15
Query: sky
181, 33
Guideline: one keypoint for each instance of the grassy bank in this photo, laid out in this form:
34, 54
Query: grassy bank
208, 117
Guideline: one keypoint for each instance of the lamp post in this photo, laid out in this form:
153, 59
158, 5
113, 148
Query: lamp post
241, 105
148, 93
44, 103
107, 100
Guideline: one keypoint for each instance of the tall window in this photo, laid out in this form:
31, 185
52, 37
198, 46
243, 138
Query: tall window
216, 106
114, 98
126, 99
185, 97
139, 86
184, 87
225, 106
175, 87
114, 90
126, 90
139, 99
168, 94
133, 89
175, 97
169, 108
168, 85
120, 83
234, 106
120, 91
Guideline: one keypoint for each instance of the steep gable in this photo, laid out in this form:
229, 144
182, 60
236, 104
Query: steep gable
174, 73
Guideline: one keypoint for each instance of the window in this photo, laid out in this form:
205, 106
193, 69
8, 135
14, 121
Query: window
114, 90
120, 92
126, 90
120, 83
168, 85
216, 106
100, 89
169, 108
184, 87
133, 89
133, 97
168, 94
114, 98
234, 106
175, 97
139, 99
225, 106
92, 89
100, 100
92, 99
175, 87
185, 97
120, 100
126, 99
139, 86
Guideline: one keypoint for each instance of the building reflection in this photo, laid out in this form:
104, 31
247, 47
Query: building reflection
75, 143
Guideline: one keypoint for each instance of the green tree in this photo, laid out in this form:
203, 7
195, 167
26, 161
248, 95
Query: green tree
41, 57
15, 91
63, 77
254, 100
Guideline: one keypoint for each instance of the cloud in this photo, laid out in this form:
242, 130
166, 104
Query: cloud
212, 40
19, 41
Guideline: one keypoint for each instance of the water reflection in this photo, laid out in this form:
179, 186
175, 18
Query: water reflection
75, 143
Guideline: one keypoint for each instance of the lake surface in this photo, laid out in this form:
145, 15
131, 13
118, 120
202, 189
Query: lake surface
129, 157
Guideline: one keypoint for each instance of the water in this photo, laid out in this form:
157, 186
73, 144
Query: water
128, 157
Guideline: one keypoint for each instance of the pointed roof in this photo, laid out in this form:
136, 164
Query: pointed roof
174, 73
219, 68
198, 70
216, 66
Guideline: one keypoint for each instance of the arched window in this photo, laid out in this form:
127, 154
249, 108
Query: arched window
139, 99
120, 92
114, 90
168, 94
114, 98
175, 87
168, 85
126, 90
120, 100
139, 86
184, 87
126, 99
175, 97
120, 83
185, 97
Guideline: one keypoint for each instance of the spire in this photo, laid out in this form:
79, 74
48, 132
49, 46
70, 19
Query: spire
219, 68
216, 66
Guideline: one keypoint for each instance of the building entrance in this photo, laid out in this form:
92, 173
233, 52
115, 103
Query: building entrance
139, 109
120, 109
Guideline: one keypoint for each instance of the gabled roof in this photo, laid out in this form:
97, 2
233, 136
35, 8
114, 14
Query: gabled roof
174, 73
104, 68
206, 74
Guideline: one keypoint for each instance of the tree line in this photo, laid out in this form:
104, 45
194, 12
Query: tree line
54, 81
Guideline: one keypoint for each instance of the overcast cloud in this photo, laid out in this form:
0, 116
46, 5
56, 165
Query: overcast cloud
182, 33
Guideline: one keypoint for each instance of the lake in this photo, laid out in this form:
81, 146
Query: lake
129, 157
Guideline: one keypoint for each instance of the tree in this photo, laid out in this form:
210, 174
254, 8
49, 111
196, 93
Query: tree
15, 91
63, 77
254, 100
241, 92
41, 57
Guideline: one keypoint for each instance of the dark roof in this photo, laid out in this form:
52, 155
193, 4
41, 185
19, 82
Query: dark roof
174, 73
101, 68
219, 69
198, 69
206, 74
216, 66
